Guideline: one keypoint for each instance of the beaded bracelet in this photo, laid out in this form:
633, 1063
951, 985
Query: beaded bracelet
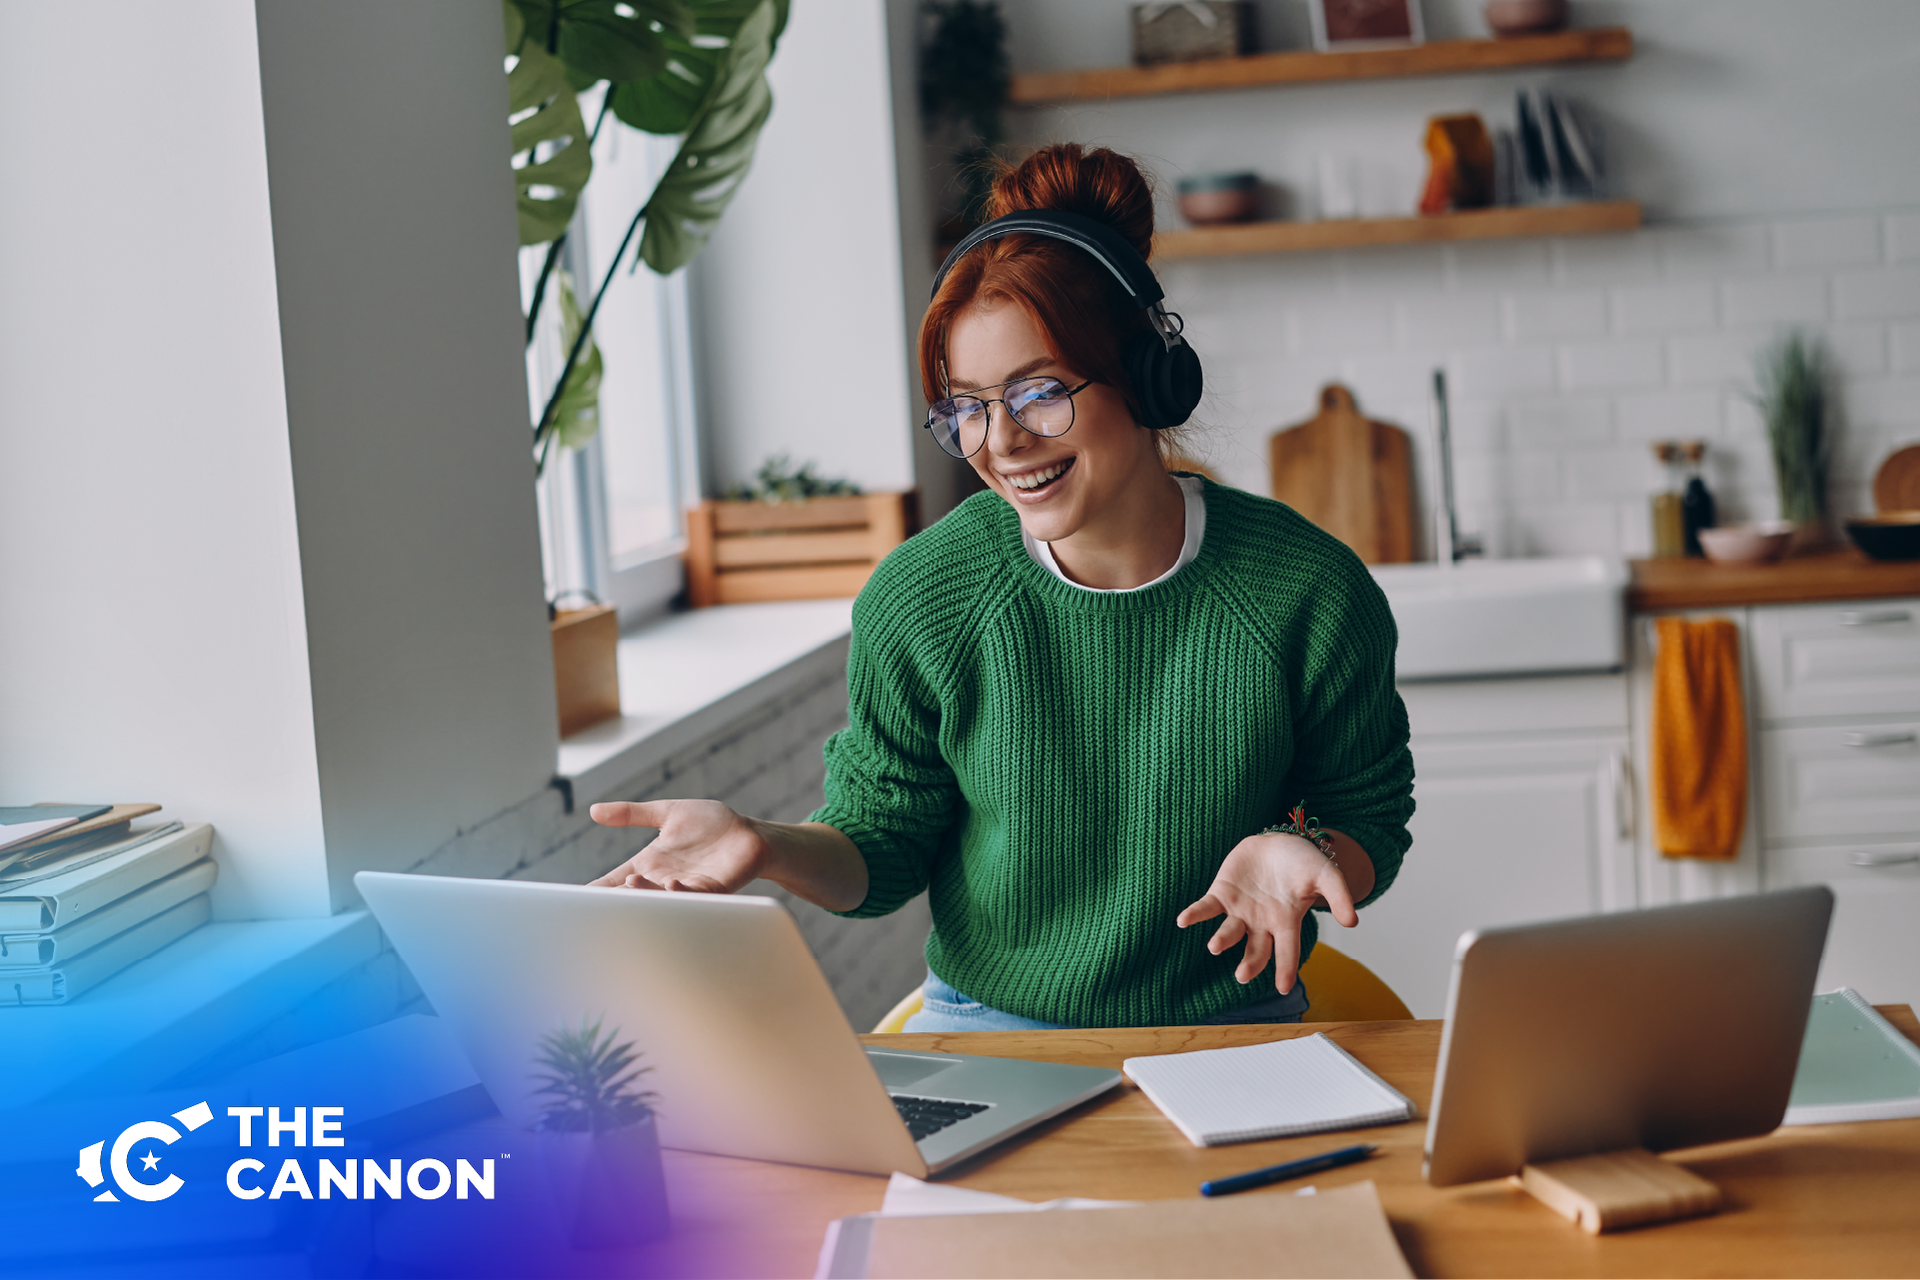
1299, 824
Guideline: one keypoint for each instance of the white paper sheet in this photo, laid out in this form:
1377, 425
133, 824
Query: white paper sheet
843, 1254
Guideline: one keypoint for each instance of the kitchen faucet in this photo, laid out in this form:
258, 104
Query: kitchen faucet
1454, 547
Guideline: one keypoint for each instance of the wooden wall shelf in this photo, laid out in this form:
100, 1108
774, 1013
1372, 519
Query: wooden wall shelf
1358, 233
1442, 57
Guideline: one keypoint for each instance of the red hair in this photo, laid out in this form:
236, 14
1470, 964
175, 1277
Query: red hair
1083, 315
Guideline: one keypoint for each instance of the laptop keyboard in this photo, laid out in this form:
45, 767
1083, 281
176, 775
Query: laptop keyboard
928, 1116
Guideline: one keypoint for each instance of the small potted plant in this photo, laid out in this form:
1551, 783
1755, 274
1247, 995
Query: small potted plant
1792, 399
597, 1147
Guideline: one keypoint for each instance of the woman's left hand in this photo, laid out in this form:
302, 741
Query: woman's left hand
1265, 889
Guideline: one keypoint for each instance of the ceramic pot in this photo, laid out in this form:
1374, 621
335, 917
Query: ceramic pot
1220, 197
607, 1190
1525, 17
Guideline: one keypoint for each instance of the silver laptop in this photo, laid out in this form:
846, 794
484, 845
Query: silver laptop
1659, 1029
747, 1049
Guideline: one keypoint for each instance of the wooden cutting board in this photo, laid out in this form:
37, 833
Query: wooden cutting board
1896, 486
1350, 476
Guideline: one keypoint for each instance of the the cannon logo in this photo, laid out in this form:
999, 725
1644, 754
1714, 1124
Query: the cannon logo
147, 1131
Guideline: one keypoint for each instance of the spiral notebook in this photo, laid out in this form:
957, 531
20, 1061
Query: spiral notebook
1261, 1091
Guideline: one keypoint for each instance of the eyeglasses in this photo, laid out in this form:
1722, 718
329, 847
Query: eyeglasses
1042, 406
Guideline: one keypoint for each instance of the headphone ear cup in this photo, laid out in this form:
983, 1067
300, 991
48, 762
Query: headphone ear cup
1166, 381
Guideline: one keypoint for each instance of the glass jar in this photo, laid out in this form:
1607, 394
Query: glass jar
1669, 520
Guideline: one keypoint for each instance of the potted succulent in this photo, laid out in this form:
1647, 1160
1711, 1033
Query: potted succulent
597, 1148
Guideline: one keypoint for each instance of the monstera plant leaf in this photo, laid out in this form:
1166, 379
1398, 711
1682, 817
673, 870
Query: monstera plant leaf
606, 39
723, 17
718, 100
575, 416
666, 103
686, 205
544, 111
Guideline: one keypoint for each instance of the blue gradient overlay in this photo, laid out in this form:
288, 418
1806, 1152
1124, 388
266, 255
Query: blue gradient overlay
51, 1223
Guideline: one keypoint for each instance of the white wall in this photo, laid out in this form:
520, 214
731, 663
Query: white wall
942, 480
267, 548
152, 629
1768, 141
394, 232
798, 298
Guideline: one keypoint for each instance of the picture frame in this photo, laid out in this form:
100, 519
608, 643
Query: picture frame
1341, 25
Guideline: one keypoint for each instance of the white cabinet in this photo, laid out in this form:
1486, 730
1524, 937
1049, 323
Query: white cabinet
1524, 813
1532, 802
1871, 944
1821, 781
1833, 697
1836, 659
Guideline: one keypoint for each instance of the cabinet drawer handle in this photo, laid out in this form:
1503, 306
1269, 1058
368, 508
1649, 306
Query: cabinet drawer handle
1864, 859
1898, 738
1874, 617
1622, 783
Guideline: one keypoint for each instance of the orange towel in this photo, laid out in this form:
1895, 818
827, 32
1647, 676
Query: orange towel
1699, 740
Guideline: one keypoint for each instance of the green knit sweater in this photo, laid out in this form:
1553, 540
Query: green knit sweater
1066, 770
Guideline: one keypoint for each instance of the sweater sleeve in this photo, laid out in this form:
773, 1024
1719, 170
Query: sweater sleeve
1352, 763
888, 789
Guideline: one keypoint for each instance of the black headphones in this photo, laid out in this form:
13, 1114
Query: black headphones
1164, 370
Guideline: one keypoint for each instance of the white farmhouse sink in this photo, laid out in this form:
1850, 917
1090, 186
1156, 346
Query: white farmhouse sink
1507, 617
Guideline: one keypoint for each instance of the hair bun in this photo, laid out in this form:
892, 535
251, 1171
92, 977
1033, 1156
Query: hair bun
1101, 184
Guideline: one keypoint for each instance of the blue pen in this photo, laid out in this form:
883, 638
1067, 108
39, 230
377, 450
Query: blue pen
1291, 1169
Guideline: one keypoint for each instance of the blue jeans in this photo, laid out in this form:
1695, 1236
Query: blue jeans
945, 1009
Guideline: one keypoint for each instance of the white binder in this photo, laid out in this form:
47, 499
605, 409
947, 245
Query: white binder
50, 947
59, 894
62, 982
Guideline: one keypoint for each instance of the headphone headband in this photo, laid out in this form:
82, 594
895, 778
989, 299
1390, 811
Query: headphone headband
1108, 247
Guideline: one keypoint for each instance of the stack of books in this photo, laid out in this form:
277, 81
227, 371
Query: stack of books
86, 890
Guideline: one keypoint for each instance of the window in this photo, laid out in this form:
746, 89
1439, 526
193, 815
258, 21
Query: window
610, 513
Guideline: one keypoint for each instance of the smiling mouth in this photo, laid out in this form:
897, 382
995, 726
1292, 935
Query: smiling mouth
1034, 481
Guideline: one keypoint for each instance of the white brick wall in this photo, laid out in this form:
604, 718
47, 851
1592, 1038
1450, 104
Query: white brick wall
1565, 358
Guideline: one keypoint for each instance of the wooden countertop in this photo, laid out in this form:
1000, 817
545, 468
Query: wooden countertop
1808, 579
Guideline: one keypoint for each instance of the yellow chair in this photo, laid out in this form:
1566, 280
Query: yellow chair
1342, 990
896, 1019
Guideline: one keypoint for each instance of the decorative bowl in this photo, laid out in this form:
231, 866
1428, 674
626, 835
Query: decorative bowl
1525, 17
1761, 543
1891, 535
1219, 197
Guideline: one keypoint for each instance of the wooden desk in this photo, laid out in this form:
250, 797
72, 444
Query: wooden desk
1835, 1200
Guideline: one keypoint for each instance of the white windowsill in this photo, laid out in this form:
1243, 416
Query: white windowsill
688, 674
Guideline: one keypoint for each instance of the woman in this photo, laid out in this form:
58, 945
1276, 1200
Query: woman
1081, 702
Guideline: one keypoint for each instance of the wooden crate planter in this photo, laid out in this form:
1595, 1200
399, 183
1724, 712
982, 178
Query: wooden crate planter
747, 552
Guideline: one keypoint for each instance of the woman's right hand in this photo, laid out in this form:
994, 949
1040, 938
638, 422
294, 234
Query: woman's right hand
703, 846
